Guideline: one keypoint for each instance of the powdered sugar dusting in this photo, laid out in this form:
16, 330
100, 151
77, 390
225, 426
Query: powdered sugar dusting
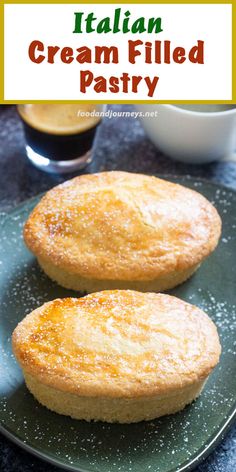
156, 446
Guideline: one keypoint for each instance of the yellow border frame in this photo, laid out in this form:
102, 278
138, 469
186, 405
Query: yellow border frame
1, 53
230, 2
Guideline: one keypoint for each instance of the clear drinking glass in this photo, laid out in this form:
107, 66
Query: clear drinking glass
59, 137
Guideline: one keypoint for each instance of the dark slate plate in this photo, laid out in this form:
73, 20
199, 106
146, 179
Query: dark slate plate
170, 444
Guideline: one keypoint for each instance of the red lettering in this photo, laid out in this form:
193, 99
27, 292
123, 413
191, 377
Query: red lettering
34, 47
67, 55
132, 50
86, 78
179, 55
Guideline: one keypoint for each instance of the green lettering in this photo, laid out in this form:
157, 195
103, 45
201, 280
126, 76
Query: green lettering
104, 26
138, 26
154, 23
78, 19
116, 28
126, 22
89, 20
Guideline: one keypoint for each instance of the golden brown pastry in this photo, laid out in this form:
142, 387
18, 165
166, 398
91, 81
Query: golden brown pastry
116, 356
121, 230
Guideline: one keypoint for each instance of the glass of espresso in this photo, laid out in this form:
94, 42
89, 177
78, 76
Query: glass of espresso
59, 138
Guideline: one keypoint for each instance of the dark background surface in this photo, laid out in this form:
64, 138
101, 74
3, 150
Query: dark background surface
121, 144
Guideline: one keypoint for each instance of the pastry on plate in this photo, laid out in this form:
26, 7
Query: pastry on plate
116, 356
121, 230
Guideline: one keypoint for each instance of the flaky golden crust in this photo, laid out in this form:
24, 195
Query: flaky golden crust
121, 344
122, 226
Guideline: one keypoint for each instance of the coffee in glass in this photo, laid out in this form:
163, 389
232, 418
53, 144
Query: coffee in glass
59, 138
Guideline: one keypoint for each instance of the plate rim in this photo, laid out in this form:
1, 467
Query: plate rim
210, 445
189, 465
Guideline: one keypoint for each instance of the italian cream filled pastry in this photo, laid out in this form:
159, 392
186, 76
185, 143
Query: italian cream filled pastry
117, 230
116, 356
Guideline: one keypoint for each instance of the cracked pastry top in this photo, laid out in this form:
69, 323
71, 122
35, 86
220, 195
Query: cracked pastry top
123, 230
117, 343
